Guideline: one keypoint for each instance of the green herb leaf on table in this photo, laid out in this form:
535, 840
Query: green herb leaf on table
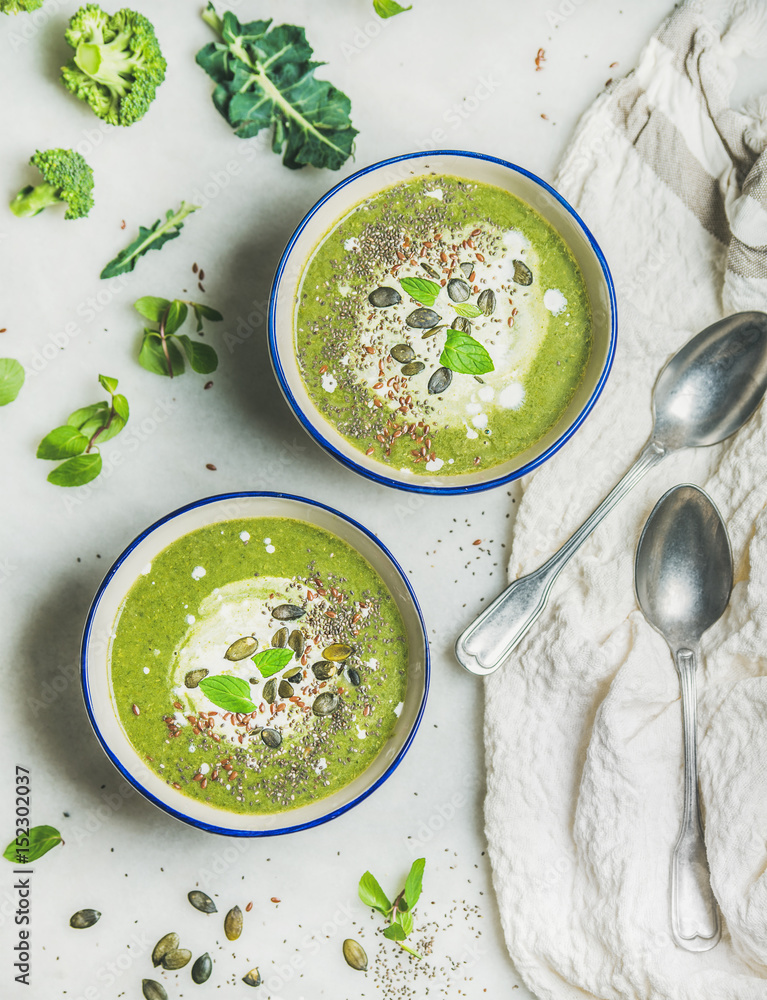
270, 661
175, 316
395, 932
76, 440
153, 238
414, 883
421, 289
202, 358
265, 78
371, 894
463, 354
388, 8
151, 307
230, 693
153, 357
11, 380
40, 840
467, 309
159, 352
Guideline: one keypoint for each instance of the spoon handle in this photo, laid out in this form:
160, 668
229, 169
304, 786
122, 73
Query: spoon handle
694, 913
486, 643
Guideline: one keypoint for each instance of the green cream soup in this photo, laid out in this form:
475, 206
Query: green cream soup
259, 664
442, 326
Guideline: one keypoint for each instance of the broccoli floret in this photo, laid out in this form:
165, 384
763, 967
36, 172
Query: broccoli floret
66, 178
19, 6
117, 66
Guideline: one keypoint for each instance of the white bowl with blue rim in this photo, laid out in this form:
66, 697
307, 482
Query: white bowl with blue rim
474, 167
99, 695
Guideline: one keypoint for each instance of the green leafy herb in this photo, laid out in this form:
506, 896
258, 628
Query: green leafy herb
265, 78
400, 912
269, 661
421, 289
388, 8
462, 353
11, 380
468, 309
26, 849
76, 440
230, 693
149, 239
159, 352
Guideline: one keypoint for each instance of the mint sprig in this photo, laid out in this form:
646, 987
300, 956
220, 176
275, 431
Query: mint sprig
400, 912
463, 354
421, 289
77, 441
27, 848
11, 380
388, 8
227, 692
159, 353
270, 661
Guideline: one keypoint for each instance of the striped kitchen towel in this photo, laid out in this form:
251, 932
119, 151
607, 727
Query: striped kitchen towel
583, 724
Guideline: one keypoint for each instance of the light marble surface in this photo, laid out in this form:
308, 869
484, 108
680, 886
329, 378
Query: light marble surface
447, 74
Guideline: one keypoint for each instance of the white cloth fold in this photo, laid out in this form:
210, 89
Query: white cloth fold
583, 724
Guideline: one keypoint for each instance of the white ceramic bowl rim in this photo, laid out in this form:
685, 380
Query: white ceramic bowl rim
125, 772
415, 487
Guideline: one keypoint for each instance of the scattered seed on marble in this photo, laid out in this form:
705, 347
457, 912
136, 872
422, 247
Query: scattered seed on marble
152, 990
233, 923
202, 969
84, 919
201, 901
355, 955
253, 978
168, 943
177, 958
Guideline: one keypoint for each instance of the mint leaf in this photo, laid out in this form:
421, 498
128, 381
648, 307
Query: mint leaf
76, 471
110, 384
395, 932
227, 692
151, 307
207, 312
202, 358
120, 405
414, 883
467, 309
388, 8
63, 442
149, 239
265, 79
38, 842
421, 289
82, 416
463, 354
176, 316
269, 661
110, 429
11, 380
152, 357
405, 919
371, 894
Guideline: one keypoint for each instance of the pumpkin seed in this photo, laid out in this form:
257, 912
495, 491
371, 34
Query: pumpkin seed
467, 267
423, 319
280, 638
458, 290
152, 990
285, 689
270, 691
354, 677
355, 955
522, 273
168, 943
434, 330
338, 651
233, 923
402, 353
84, 918
176, 959
486, 301
297, 642
194, 677
202, 969
462, 324
430, 271
288, 612
383, 297
325, 703
271, 738
439, 381
294, 678
202, 901
414, 368
253, 978
323, 670
242, 648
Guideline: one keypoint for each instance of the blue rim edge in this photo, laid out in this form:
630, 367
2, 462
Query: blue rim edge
376, 477
200, 824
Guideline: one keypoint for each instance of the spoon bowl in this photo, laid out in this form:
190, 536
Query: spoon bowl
683, 580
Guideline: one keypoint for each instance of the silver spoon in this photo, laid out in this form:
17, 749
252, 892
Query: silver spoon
683, 579
705, 393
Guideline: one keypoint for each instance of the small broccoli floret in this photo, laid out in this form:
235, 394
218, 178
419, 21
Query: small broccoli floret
19, 6
66, 178
117, 66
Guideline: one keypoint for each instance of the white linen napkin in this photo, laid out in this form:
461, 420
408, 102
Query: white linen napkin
583, 726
